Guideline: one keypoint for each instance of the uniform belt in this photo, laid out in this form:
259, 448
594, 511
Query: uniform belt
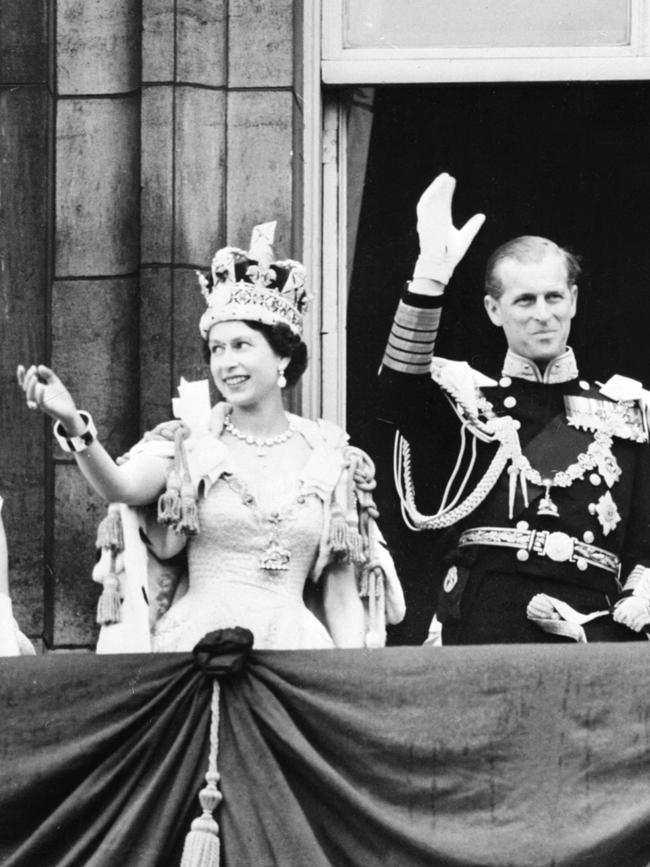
557, 546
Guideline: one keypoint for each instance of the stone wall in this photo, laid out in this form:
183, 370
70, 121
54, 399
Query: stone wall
139, 137
26, 174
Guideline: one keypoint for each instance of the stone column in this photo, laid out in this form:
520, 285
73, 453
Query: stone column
183, 181
26, 110
217, 157
94, 317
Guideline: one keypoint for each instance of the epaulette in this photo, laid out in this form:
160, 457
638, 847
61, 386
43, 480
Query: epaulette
461, 383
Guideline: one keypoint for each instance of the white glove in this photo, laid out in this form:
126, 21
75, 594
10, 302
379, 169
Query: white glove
12, 640
442, 246
633, 611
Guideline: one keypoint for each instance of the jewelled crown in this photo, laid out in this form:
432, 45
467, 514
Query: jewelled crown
250, 285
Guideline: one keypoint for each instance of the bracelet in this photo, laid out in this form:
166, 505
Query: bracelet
80, 442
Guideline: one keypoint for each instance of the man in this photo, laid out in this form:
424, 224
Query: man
547, 501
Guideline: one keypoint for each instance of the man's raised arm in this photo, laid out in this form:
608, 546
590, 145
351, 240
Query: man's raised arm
442, 246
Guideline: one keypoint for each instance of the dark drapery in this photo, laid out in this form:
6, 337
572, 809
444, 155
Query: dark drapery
518, 756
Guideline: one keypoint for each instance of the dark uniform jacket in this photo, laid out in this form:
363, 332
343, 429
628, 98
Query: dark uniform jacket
581, 537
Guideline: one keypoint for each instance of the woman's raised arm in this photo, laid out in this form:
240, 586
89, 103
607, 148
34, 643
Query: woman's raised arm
136, 483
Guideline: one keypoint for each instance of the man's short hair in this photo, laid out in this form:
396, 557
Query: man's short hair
527, 249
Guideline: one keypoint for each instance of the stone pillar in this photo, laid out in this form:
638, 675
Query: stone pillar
26, 109
183, 181
94, 316
217, 157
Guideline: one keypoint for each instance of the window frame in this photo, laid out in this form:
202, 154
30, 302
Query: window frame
343, 65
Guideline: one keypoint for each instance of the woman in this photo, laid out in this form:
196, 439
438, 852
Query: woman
264, 500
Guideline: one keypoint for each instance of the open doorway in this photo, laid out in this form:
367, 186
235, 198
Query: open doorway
570, 161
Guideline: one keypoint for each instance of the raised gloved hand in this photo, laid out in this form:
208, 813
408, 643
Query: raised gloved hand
442, 246
633, 612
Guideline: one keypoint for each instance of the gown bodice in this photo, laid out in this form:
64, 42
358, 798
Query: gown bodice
248, 567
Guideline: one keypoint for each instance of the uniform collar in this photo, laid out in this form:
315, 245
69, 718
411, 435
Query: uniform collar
563, 368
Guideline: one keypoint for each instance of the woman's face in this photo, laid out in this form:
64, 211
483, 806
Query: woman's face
242, 363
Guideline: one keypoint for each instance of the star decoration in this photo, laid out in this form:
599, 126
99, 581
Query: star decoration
607, 513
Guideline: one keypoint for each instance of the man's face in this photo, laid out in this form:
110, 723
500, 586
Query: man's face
536, 307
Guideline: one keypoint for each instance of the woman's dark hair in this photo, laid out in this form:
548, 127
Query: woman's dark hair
284, 342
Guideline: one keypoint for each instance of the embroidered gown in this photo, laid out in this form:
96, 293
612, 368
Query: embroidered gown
251, 566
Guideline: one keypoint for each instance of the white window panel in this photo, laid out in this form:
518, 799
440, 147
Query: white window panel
485, 23
383, 41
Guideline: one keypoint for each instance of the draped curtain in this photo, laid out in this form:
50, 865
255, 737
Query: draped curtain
526, 756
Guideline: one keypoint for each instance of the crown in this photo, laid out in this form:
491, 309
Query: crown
250, 285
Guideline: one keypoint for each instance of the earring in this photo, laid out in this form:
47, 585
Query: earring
282, 380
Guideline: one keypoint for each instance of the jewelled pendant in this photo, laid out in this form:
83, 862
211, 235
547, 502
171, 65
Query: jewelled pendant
546, 506
275, 558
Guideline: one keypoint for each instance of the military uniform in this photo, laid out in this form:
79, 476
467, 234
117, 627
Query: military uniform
547, 491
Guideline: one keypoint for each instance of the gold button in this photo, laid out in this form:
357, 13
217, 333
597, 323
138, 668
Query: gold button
582, 564
595, 479
588, 537
522, 555
584, 385
510, 401
505, 381
522, 525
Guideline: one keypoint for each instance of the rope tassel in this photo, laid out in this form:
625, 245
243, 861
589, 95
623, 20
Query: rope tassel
177, 505
339, 540
372, 587
109, 604
109, 532
202, 845
169, 502
189, 518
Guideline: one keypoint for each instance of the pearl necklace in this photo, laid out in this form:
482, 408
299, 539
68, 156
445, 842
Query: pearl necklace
262, 445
